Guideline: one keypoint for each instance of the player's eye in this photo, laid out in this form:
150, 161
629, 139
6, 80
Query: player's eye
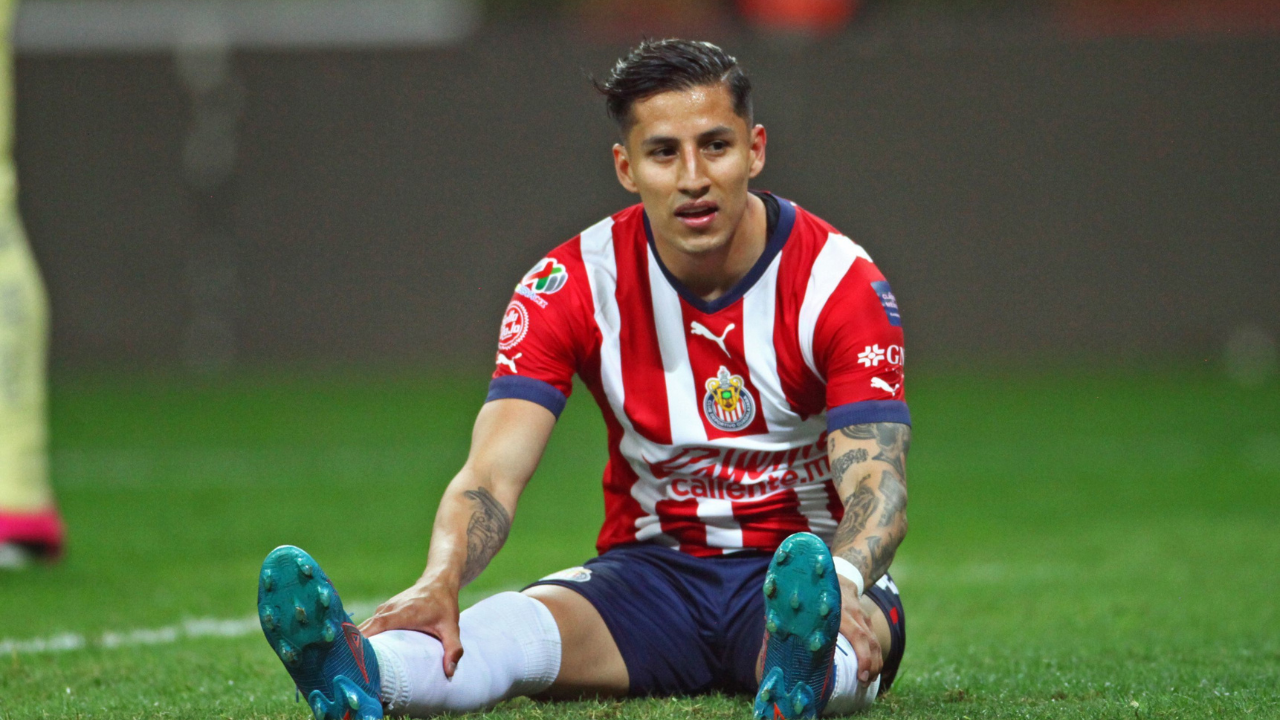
664, 152
717, 146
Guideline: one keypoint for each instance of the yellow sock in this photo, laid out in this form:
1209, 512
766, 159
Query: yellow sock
24, 320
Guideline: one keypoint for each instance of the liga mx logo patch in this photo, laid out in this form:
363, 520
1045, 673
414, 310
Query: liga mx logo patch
546, 277
728, 404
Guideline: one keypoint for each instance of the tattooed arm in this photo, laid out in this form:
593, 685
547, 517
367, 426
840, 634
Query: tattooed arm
868, 467
472, 521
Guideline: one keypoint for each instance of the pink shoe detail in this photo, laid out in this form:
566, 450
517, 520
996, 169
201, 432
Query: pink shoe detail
42, 531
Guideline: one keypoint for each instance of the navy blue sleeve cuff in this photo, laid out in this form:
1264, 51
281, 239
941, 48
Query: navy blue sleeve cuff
525, 388
868, 411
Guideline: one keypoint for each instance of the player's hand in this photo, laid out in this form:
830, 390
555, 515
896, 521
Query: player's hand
855, 626
426, 607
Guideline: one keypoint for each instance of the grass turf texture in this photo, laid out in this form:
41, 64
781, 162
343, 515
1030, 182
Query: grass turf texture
1081, 546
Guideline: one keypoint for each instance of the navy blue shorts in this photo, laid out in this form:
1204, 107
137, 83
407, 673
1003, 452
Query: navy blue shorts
688, 625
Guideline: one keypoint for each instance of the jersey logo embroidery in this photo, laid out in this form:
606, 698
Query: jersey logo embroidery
697, 328
509, 361
515, 323
873, 355
728, 404
882, 385
546, 277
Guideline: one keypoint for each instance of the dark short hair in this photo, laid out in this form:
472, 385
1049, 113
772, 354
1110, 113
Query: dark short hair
658, 66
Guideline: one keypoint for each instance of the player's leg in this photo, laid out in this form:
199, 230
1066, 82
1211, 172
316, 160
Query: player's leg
548, 641
590, 662
511, 646
638, 624
29, 521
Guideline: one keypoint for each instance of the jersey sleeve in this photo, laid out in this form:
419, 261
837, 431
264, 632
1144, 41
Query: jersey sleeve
857, 348
544, 333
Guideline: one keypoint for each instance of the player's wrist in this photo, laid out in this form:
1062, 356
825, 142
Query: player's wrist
848, 571
449, 579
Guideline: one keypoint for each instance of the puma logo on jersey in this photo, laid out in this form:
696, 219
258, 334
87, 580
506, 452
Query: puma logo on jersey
509, 361
882, 385
697, 328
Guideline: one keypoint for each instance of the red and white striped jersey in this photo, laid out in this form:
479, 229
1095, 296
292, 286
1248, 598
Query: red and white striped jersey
718, 411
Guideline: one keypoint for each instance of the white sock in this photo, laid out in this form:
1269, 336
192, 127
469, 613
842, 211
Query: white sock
848, 695
511, 647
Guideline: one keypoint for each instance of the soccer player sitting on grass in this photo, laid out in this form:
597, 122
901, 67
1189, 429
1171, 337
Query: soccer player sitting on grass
747, 358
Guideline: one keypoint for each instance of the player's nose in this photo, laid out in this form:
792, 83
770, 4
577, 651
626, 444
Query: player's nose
692, 178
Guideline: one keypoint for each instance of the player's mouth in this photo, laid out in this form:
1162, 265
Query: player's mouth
697, 215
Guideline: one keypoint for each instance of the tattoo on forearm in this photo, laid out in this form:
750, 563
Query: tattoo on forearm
874, 552
881, 554
894, 440
894, 495
857, 558
858, 509
486, 531
846, 461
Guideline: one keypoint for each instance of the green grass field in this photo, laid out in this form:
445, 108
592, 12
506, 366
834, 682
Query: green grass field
1081, 546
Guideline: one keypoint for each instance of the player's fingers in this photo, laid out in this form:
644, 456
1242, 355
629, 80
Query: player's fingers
862, 648
449, 638
860, 637
875, 656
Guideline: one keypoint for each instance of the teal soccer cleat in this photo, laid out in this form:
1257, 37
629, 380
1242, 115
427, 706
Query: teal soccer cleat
802, 622
332, 664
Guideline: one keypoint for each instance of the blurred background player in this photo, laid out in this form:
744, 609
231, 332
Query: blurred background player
29, 522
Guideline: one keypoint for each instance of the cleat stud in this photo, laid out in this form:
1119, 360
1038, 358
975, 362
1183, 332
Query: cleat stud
353, 700
819, 568
795, 601
824, 609
324, 596
782, 557
268, 582
771, 623
305, 568
770, 587
815, 642
798, 706
287, 653
300, 613
268, 619
766, 694
328, 633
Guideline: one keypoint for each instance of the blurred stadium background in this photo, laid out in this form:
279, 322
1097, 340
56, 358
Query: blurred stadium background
278, 235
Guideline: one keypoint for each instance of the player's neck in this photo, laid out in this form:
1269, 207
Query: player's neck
712, 274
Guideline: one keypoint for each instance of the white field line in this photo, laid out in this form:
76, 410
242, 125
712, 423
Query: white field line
192, 629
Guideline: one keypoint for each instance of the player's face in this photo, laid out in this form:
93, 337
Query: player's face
690, 157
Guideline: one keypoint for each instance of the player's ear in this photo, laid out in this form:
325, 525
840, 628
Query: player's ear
759, 138
622, 165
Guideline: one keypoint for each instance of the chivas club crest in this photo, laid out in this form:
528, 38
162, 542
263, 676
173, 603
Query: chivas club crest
728, 404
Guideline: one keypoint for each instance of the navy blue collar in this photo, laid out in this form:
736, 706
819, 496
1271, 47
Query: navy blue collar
772, 246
